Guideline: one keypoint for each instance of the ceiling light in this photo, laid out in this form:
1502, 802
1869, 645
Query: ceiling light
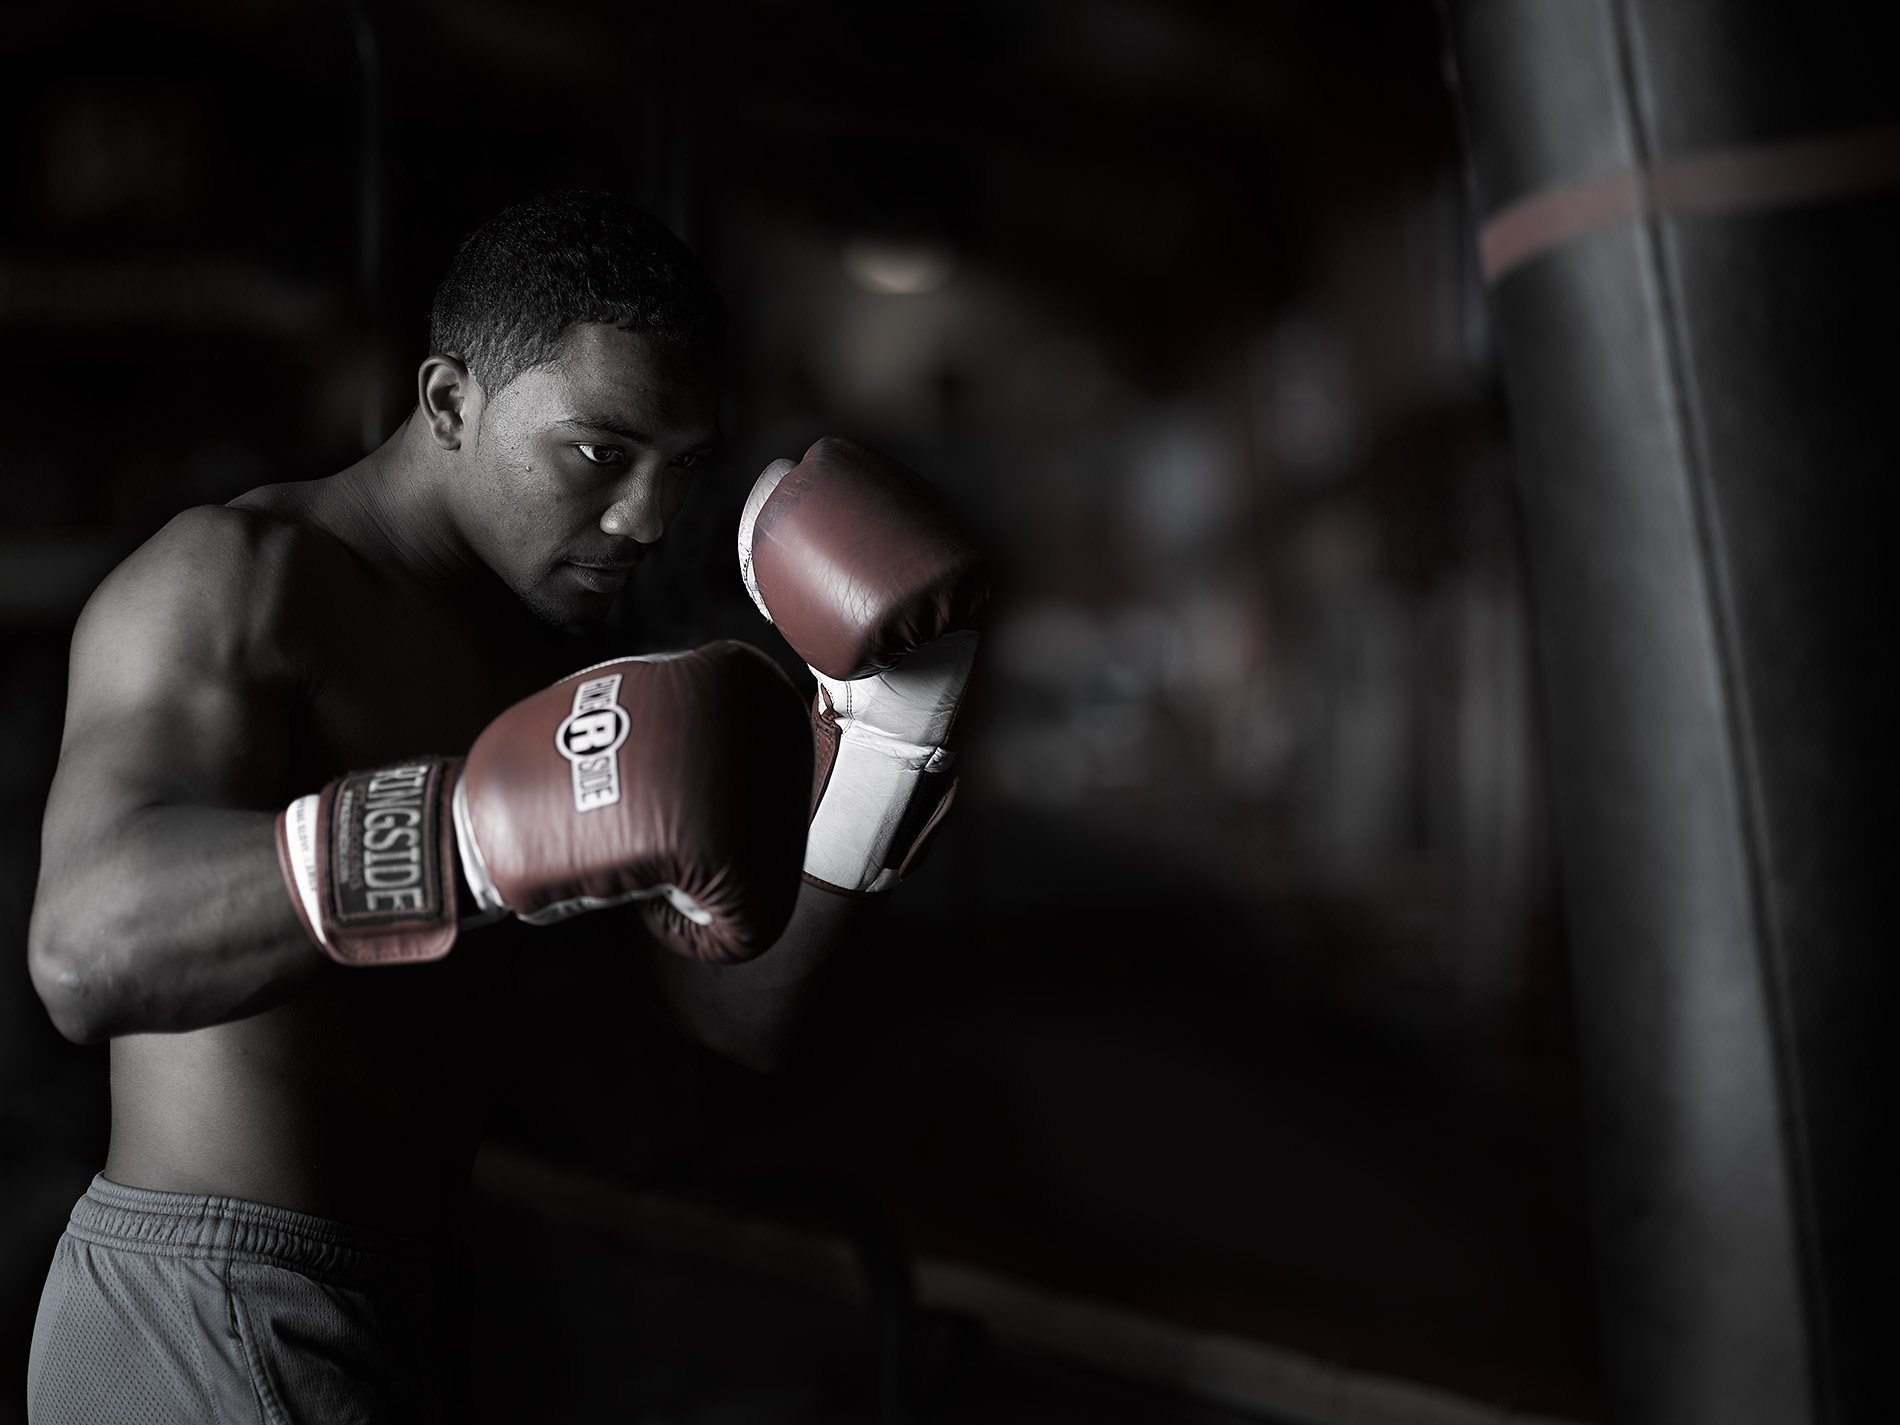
897, 267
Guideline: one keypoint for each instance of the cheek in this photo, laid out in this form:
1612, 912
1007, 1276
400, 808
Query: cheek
677, 488
533, 498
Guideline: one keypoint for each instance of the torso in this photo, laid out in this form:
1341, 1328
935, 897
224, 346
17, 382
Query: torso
359, 1100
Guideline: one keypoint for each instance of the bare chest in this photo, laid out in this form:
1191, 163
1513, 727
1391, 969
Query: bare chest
393, 675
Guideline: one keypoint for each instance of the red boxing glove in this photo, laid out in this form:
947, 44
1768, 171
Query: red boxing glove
874, 584
677, 780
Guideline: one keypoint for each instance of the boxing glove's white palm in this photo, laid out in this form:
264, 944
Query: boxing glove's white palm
892, 727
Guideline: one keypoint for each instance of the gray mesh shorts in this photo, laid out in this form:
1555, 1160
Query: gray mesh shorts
164, 1307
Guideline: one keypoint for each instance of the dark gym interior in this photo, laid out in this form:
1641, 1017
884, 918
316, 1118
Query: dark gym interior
1413, 940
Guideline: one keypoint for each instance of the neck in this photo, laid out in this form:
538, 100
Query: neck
393, 510
393, 501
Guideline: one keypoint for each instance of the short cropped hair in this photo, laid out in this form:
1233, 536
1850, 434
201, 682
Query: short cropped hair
532, 271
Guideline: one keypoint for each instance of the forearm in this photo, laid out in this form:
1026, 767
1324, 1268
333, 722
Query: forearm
749, 1012
177, 919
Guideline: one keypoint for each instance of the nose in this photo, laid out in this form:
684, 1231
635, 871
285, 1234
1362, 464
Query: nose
636, 511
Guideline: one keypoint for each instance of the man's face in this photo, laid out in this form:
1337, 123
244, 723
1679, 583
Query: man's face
575, 467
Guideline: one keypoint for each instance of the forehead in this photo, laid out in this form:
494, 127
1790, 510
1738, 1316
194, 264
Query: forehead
601, 372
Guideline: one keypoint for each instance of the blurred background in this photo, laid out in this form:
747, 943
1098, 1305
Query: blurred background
1230, 1006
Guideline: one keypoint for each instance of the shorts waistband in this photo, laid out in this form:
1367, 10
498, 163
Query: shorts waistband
189, 1225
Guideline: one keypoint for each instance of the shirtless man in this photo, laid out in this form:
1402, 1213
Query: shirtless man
291, 1135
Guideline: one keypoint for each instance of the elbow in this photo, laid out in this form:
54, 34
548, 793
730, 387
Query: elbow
67, 980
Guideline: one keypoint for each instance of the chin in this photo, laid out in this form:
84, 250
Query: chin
567, 609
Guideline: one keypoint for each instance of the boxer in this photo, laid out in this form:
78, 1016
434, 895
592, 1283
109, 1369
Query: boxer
338, 754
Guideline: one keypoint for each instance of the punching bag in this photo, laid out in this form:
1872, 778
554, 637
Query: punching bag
1690, 227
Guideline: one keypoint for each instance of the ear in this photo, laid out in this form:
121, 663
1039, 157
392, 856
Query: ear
449, 398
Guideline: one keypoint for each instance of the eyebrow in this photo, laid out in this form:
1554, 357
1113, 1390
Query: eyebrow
608, 423
622, 429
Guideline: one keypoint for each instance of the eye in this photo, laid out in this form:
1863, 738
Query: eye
687, 462
601, 454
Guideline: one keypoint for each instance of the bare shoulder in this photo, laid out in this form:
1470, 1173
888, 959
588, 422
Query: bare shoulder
217, 587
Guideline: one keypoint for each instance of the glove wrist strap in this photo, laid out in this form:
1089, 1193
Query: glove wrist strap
867, 791
856, 820
370, 863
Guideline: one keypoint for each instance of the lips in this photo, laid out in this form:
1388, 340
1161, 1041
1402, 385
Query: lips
606, 576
